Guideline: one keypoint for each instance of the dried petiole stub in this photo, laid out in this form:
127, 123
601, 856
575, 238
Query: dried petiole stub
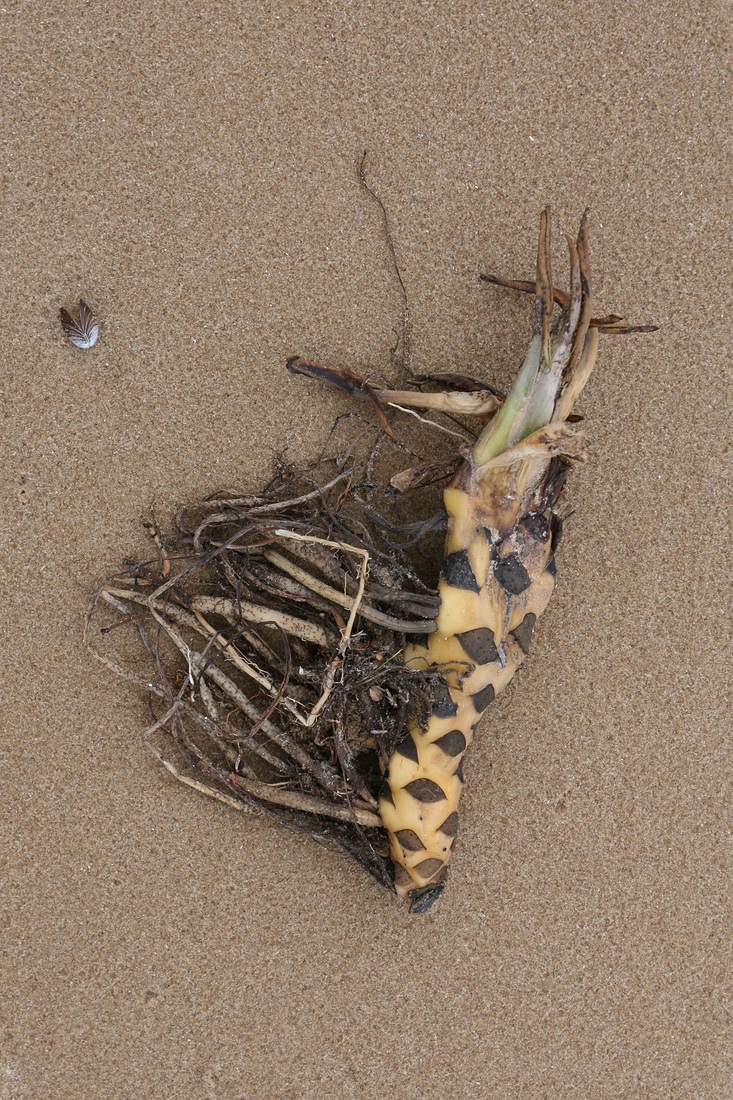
306, 668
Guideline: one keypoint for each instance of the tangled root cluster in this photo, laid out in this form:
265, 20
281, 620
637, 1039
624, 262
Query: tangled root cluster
273, 628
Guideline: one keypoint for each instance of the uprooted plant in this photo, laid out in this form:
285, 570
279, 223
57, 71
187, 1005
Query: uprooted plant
302, 664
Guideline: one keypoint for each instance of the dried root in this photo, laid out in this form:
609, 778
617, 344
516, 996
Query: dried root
274, 625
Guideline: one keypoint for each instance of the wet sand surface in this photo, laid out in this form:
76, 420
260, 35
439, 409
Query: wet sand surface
190, 171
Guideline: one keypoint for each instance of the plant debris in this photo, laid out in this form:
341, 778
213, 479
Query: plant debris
274, 626
82, 330
301, 662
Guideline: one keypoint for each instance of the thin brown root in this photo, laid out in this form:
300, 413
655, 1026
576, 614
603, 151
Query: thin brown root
431, 423
267, 793
332, 595
294, 801
405, 336
338, 657
234, 610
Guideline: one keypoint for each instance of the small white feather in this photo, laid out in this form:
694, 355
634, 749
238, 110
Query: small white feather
84, 331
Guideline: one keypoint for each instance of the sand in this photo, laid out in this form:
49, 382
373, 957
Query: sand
190, 170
